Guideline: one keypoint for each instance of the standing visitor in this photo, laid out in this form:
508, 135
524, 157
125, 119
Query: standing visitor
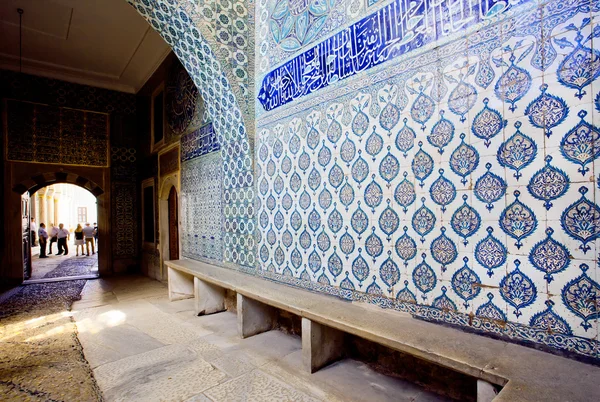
53, 236
78, 240
43, 240
63, 236
88, 232
33, 230
96, 233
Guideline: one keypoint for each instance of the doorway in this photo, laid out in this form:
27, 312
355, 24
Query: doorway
169, 244
68, 214
173, 225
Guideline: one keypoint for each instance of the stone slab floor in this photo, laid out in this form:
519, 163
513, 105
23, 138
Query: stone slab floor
141, 347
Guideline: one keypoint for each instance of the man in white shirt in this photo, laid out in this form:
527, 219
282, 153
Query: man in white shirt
33, 230
63, 236
43, 239
88, 233
53, 236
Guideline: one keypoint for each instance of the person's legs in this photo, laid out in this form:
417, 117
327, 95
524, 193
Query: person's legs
61, 243
87, 246
42, 247
66, 247
52, 240
93, 249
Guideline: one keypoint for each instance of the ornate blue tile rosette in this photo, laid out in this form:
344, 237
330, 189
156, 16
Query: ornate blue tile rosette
518, 220
406, 247
581, 220
517, 152
466, 283
464, 160
490, 252
581, 145
443, 250
582, 297
423, 220
489, 188
518, 289
465, 221
547, 111
424, 277
487, 124
550, 256
548, 184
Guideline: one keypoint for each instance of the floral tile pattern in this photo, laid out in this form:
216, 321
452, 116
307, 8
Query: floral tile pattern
456, 182
201, 207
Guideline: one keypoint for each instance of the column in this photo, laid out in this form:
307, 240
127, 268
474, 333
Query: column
57, 197
41, 201
50, 205
56, 213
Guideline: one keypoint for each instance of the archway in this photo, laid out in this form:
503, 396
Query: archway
28, 180
74, 209
179, 25
168, 204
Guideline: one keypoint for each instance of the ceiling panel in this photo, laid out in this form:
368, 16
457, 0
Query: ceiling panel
104, 43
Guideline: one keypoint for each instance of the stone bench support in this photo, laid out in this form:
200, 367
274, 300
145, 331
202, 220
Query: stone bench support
485, 391
321, 345
254, 317
181, 285
209, 298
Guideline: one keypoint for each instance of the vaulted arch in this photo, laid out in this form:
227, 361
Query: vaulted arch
187, 33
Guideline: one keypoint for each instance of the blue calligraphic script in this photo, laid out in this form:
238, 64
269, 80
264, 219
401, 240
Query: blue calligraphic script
392, 31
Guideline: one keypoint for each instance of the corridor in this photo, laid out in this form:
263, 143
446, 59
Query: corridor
124, 341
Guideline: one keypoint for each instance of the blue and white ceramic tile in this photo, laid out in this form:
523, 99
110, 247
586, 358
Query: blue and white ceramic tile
493, 119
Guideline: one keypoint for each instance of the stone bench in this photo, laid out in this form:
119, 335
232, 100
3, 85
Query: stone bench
525, 374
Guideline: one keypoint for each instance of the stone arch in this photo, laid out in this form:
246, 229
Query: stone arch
38, 180
173, 20
34, 183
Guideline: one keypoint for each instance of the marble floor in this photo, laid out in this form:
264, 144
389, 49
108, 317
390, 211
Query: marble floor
141, 347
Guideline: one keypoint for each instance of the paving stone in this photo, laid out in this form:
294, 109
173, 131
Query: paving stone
172, 372
256, 386
234, 364
113, 343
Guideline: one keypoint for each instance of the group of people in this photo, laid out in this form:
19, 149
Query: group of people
87, 235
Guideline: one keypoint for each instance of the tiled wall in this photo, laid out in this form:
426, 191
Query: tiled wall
445, 165
213, 41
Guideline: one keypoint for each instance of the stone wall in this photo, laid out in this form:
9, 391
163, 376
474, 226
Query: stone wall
437, 158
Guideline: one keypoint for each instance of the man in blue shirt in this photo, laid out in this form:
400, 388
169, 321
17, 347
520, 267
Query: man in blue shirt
43, 235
